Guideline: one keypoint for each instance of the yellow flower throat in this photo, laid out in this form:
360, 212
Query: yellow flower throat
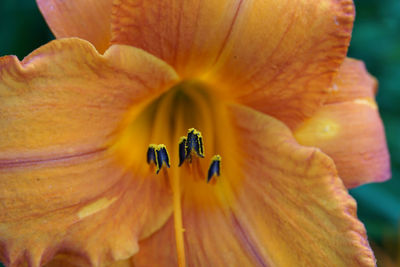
182, 136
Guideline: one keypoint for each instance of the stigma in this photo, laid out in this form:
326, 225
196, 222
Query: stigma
158, 155
214, 169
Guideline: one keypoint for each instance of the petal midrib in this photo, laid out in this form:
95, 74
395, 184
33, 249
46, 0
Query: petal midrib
229, 33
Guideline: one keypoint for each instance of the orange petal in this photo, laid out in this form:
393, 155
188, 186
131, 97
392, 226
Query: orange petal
189, 35
89, 20
159, 249
352, 82
71, 261
349, 129
65, 99
276, 56
289, 209
61, 189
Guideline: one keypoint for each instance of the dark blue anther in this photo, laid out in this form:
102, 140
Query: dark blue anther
201, 146
182, 150
151, 154
214, 169
194, 143
162, 157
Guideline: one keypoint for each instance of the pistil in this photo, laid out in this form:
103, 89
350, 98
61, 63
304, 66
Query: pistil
178, 225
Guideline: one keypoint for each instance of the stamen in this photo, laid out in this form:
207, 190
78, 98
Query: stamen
194, 143
215, 167
151, 154
182, 150
162, 157
190, 145
201, 146
158, 155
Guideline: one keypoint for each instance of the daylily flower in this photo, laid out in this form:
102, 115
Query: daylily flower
263, 87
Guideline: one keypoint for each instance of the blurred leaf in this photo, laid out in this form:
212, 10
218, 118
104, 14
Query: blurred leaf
22, 28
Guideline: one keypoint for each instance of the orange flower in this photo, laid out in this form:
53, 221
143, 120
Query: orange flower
279, 114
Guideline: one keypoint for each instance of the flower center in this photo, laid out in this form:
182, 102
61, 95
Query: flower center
185, 136
167, 119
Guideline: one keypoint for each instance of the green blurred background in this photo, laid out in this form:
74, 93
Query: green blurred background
376, 40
